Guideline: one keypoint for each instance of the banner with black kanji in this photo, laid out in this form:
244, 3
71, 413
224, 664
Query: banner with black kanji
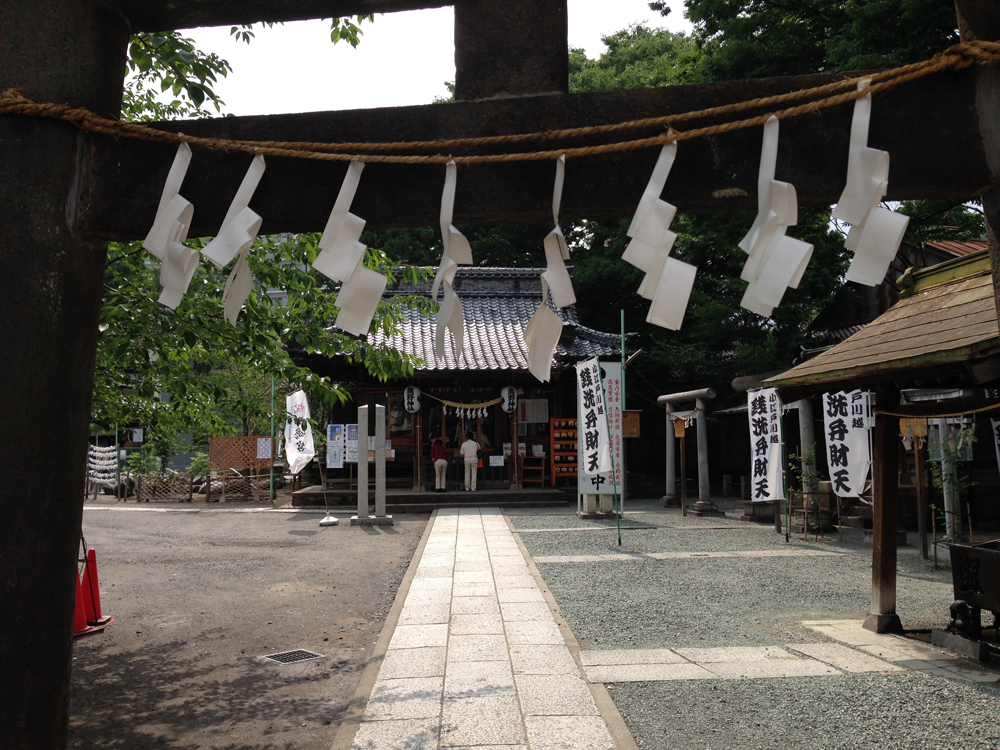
848, 419
767, 480
594, 474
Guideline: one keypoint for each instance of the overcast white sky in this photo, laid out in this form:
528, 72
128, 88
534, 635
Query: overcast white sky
403, 58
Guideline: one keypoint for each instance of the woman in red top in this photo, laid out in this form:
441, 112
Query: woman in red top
440, 459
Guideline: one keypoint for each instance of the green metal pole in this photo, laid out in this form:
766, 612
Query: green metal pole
272, 439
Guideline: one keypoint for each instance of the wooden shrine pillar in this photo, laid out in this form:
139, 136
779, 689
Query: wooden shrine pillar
885, 482
979, 20
50, 297
510, 49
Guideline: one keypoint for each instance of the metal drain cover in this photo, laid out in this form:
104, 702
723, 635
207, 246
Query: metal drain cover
290, 657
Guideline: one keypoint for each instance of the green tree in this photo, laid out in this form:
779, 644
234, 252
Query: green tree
187, 370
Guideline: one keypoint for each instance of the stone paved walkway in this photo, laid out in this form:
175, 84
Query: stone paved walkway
477, 659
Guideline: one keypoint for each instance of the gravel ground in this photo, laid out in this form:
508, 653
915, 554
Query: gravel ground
712, 602
199, 597
852, 712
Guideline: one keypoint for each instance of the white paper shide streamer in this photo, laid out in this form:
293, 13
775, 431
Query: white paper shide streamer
876, 232
775, 262
342, 256
235, 238
169, 231
668, 282
541, 335
457, 251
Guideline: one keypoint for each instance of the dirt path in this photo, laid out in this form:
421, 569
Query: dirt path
199, 597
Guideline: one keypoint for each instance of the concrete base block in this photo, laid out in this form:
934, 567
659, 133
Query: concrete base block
371, 521
759, 512
670, 501
959, 644
705, 508
883, 623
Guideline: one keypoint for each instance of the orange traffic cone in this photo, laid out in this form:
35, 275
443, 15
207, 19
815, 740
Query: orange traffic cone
92, 592
80, 627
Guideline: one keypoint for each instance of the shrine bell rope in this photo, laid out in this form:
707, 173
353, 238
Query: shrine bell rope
12, 101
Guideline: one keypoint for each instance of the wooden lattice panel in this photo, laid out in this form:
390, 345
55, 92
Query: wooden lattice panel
238, 453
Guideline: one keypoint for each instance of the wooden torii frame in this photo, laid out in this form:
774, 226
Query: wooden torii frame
64, 193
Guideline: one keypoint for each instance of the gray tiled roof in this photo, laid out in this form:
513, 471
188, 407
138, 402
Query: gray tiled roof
497, 304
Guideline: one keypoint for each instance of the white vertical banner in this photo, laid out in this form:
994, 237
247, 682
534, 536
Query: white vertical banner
299, 447
599, 422
848, 419
768, 473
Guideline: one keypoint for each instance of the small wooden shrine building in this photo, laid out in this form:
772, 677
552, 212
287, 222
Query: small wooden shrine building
497, 304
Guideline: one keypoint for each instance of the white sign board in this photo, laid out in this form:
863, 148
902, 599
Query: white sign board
263, 447
496, 460
533, 411
351, 444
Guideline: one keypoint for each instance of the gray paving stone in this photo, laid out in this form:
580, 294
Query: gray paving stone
412, 734
493, 720
542, 659
477, 679
430, 584
631, 656
475, 605
433, 571
413, 662
534, 633
734, 654
773, 668
476, 625
521, 611
842, 657
414, 698
647, 672
424, 614
474, 576
568, 733
477, 648
428, 596
516, 581
554, 695
474, 589
419, 636
519, 596
466, 566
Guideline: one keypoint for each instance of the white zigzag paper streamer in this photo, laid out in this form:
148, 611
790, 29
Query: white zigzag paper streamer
234, 240
169, 231
456, 251
541, 335
668, 282
342, 256
876, 232
775, 261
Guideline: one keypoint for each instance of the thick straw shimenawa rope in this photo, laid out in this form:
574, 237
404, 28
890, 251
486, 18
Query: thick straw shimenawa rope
957, 57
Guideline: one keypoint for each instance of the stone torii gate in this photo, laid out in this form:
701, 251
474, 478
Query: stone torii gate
65, 193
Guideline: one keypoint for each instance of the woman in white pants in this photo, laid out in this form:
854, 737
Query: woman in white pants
470, 452
440, 458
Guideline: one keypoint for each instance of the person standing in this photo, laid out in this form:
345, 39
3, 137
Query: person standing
470, 452
439, 457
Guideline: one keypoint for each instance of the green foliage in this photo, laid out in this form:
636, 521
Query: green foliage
344, 29
637, 57
943, 220
188, 370
199, 464
166, 61
757, 38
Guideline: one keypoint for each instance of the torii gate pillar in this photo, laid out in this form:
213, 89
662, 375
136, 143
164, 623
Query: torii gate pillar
50, 299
